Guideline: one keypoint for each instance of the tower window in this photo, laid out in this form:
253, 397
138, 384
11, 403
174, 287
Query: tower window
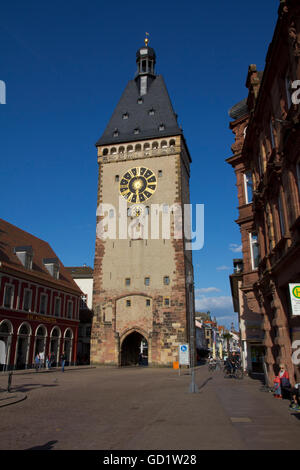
148, 302
117, 178
128, 303
166, 302
127, 281
147, 281
166, 280
160, 173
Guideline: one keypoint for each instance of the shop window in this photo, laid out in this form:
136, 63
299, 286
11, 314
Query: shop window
43, 303
70, 309
8, 296
57, 307
254, 250
27, 300
248, 186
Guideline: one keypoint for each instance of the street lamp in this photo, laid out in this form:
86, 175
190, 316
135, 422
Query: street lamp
190, 282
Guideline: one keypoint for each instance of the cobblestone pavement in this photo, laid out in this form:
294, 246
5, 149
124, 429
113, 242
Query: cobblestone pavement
144, 408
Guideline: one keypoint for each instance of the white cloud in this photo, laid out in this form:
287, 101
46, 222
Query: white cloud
206, 290
222, 303
223, 268
220, 307
235, 248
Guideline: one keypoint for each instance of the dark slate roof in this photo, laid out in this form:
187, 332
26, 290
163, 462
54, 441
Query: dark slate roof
157, 98
238, 110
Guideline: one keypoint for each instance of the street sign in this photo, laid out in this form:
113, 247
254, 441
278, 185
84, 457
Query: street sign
184, 355
295, 298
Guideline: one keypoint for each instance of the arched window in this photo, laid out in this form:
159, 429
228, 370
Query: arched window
155, 145
41, 331
69, 334
172, 143
138, 148
121, 149
129, 148
24, 329
113, 151
55, 332
146, 146
5, 327
164, 144
105, 152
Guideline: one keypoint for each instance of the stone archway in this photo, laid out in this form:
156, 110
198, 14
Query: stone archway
134, 350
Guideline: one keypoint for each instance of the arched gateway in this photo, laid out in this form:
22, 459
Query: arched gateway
134, 350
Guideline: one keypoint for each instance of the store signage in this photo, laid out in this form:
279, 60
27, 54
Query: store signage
295, 298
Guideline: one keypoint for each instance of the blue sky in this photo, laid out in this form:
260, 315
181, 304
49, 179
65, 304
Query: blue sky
65, 65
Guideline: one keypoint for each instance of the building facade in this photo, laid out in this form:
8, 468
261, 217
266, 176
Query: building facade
39, 301
143, 278
266, 160
83, 276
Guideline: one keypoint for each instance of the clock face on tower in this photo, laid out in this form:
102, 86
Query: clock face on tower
138, 184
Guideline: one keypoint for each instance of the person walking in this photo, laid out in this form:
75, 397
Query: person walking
63, 361
37, 362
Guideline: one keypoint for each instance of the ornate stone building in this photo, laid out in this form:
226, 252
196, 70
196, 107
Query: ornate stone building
266, 160
141, 295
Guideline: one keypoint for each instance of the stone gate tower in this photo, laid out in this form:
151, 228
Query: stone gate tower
141, 296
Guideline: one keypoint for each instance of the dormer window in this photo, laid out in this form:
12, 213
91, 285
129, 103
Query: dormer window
52, 266
25, 255
116, 133
151, 112
140, 101
125, 116
136, 131
161, 127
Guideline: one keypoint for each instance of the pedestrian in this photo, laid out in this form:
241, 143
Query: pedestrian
37, 362
42, 358
281, 382
52, 359
63, 360
295, 397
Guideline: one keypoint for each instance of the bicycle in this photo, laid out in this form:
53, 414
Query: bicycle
236, 372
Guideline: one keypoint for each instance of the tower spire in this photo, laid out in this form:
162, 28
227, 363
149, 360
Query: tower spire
145, 59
